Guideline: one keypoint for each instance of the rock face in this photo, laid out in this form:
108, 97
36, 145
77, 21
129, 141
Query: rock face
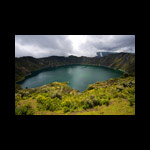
25, 65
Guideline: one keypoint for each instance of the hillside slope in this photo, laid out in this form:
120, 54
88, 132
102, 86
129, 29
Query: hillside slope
112, 97
25, 65
123, 61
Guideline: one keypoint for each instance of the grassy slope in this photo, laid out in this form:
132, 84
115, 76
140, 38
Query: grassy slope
112, 97
123, 61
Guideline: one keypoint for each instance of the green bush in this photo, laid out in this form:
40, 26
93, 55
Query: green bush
87, 104
132, 100
56, 95
73, 108
17, 97
90, 88
41, 99
102, 96
91, 102
66, 109
40, 107
105, 102
131, 90
115, 94
126, 75
24, 110
96, 102
70, 104
48, 103
17, 87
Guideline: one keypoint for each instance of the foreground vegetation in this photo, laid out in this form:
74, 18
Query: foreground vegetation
112, 97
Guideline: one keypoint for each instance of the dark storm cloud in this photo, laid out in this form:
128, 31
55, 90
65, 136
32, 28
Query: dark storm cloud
42, 45
116, 43
64, 45
120, 43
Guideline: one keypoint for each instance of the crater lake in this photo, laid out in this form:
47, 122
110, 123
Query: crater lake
77, 76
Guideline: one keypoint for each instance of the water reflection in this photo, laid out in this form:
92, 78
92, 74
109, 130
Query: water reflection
78, 76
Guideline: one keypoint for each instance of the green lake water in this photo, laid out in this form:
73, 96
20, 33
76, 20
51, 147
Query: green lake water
78, 76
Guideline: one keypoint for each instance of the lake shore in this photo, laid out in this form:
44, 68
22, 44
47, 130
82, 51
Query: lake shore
78, 76
42, 69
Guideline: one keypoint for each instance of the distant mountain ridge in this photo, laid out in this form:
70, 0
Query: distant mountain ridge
26, 65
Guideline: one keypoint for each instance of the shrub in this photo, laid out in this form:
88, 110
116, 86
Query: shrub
66, 109
123, 95
115, 94
131, 103
66, 103
40, 107
48, 103
105, 102
41, 99
17, 97
56, 95
119, 89
102, 96
91, 102
87, 104
17, 87
24, 98
126, 75
96, 102
69, 105
24, 110
131, 84
90, 88
73, 108
132, 100
131, 90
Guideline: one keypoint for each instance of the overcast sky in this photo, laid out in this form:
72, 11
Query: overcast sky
64, 45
